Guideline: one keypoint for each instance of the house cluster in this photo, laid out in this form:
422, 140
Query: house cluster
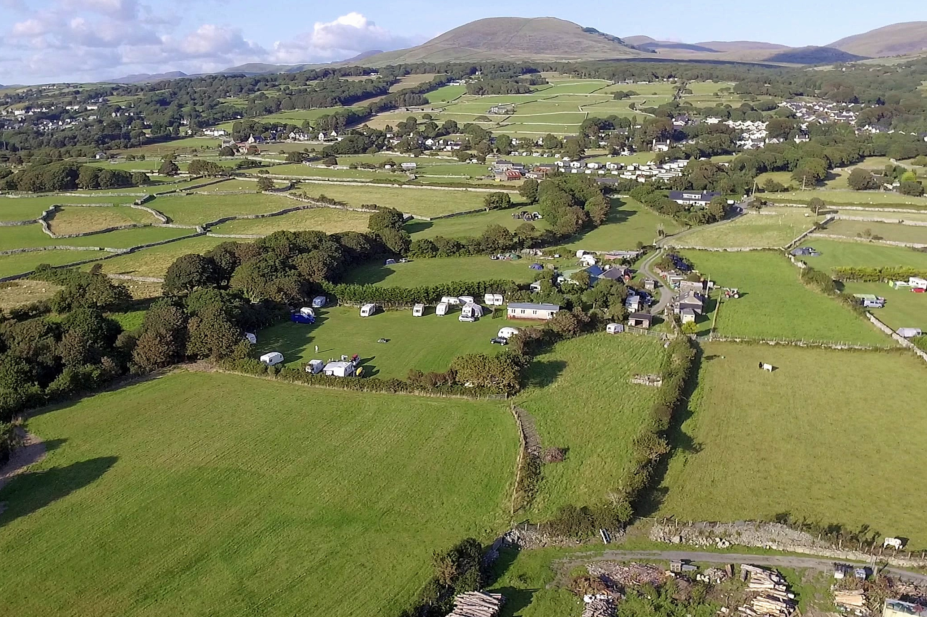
504, 109
821, 111
690, 300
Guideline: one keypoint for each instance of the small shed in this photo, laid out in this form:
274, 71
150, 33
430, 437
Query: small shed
687, 315
640, 320
272, 359
614, 328
339, 369
315, 367
368, 309
442, 309
418, 310
319, 301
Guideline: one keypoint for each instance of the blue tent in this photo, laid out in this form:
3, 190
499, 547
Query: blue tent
536, 267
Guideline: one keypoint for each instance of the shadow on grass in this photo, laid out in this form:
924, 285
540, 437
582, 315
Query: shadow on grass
616, 216
544, 373
33, 491
678, 440
417, 226
516, 598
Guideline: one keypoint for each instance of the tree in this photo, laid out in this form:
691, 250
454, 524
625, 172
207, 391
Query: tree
529, 190
573, 148
565, 324
140, 178
911, 188
504, 144
772, 186
213, 335
385, 218
497, 201
689, 327
862, 180
264, 184
816, 205
810, 172
190, 272
168, 168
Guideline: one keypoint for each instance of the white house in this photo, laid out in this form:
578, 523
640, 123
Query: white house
339, 369
272, 359
529, 310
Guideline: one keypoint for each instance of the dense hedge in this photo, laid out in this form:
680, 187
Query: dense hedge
407, 296
877, 275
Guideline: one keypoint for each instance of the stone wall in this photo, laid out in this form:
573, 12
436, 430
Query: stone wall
912, 245
896, 337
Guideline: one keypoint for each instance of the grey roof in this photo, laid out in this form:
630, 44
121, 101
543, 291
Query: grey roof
645, 316
530, 306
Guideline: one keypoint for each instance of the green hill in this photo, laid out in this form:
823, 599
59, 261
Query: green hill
894, 40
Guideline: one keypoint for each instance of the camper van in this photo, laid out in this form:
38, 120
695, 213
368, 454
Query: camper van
466, 299
442, 309
272, 359
508, 333
315, 367
307, 312
319, 301
418, 310
368, 309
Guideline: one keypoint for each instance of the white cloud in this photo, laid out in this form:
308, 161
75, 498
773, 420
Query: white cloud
122, 10
348, 35
212, 40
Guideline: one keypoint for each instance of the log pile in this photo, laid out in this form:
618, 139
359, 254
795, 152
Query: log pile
851, 599
772, 595
477, 604
600, 607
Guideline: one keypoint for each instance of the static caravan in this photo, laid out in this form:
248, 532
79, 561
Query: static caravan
272, 359
466, 299
471, 312
487, 299
339, 369
368, 309
917, 282
442, 309
315, 367
508, 333
418, 310
251, 338
319, 301
450, 300
493, 300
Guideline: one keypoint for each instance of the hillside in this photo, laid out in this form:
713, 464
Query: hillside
814, 55
894, 40
724, 46
513, 38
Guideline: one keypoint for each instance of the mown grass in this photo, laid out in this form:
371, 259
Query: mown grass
874, 199
30, 208
903, 308
155, 261
835, 253
27, 236
223, 495
422, 202
830, 436
774, 304
469, 225
328, 220
437, 271
428, 343
774, 228
581, 398
888, 231
200, 209
628, 223
72, 220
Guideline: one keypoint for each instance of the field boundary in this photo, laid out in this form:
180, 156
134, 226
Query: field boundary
912, 245
896, 337
870, 219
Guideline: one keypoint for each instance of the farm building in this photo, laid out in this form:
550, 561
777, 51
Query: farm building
690, 198
640, 320
530, 310
339, 369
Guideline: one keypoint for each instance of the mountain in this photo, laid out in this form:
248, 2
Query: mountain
513, 39
814, 55
362, 56
894, 40
657, 46
725, 46
144, 78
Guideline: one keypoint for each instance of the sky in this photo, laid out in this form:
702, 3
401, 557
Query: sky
44, 41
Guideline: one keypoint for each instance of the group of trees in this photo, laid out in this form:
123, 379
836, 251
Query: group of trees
66, 176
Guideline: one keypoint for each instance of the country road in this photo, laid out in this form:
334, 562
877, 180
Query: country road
781, 561
665, 293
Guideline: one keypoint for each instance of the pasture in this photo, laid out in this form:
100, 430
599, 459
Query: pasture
836, 253
193, 209
774, 304
468, 225
628, 223
817, 438
328, 220
863, 199
773, 228
567, 394
428, 343
419, 201
71, 220
266, 498
155, 261
912, 234
31, 208
441, 270
28, 236
903, 309
21, 263
17, 293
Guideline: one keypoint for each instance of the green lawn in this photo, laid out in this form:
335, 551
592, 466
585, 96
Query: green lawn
581, 398
27, 262
874, 199
328, 220
199, 209
418, 201
775, 304
469, 225
888, 231
428, 343
774, 228
26, 236
155, 261
445, 94
835, 253
820, 438
903, 308
437, 271
628, 223
198, 494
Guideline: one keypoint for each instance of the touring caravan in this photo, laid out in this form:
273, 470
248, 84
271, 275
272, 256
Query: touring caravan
508, 333
315, 367
450, 300
368, 309
442, 309
471, 312
418, 310
467, 299
272, 359
614, 328
251, 338
319, 301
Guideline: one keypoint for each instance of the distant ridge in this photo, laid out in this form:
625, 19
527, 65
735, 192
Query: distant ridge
895, 40
814, 55
144, 78
724, 46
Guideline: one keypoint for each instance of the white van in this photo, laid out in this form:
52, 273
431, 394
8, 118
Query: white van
272, 359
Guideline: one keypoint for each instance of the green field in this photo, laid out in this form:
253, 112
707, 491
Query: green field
421, 202
893, 232
224, 495
903, 308
874, 199
200, 209
445, 94
29, 208
835, 253
27, 236
628, 223
774, 304
26, 262
74, 219
817, 438
155, 261
437, 271
774, 228
428, 343
581, 398
328, 220
469, 225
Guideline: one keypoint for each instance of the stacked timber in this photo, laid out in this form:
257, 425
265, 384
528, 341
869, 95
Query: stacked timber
772, 594
600, 607
853, 599
477, 604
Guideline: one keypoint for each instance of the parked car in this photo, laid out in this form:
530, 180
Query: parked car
498, 340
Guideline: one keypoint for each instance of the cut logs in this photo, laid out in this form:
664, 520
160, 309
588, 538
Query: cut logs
772, 593
600, 607
477, 604
850, 598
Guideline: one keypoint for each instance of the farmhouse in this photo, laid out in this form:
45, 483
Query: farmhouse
688, 198
528, 310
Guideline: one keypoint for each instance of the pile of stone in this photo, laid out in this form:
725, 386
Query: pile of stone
628, 575
599, 605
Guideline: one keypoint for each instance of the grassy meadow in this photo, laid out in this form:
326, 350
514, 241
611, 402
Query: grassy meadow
774, 303
628, 223
903, 309
155, 261
200, 209
30, 208
428, 343
581, 398
774, 228
418, 201
893, 232
836, 253
228, 495
818, 438
874, 199
437, 271
27, 236
21, 263
72, 220
328, 220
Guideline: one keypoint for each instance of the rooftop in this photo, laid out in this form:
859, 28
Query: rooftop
530, 306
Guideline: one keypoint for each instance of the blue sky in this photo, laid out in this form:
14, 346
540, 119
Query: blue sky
81, 40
